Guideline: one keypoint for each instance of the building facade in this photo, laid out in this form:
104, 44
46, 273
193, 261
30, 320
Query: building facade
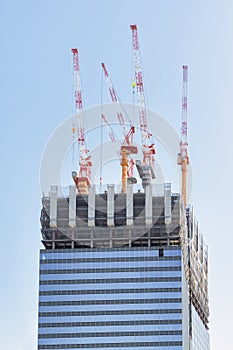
121, 271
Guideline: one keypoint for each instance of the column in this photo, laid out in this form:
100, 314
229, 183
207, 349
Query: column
129, 205
72, 206
53, 205
91, 206
148, 205
110, 205
167, 203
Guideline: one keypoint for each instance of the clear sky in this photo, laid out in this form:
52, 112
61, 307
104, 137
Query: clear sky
36, 96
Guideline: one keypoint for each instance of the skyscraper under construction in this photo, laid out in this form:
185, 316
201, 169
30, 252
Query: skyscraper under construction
122, 270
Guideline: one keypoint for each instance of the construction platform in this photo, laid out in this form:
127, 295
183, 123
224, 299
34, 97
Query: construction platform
110, 219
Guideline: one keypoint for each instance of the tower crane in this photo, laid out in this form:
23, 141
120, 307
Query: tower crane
183, 159
113, 137
127, 147
82, 178
148, 148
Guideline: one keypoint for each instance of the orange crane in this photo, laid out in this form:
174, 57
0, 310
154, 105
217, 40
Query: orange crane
82, 179
148, 148
183, 159
127, 147
125, 150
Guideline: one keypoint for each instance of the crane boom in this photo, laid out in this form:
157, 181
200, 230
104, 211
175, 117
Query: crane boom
148, 148
127, 147
114, 97
183, 158
111, 132
82, 179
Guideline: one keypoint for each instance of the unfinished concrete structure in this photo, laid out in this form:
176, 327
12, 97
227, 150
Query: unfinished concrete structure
121, 249
110, 219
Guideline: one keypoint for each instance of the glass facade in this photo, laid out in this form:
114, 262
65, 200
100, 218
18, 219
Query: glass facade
200, 336
112, 298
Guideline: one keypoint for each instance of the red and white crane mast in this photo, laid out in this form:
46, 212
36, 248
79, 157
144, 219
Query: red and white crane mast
82, 179
148, 147
183, 158
184, 141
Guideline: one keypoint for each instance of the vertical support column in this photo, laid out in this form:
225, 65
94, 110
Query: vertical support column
91, 206
53, 206
130, 237
72, 206
148, 205
110, 206
129, 205
92, 239
53, 240
167, 203
110, 238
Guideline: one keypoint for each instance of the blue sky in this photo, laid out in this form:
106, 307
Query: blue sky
36, 96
